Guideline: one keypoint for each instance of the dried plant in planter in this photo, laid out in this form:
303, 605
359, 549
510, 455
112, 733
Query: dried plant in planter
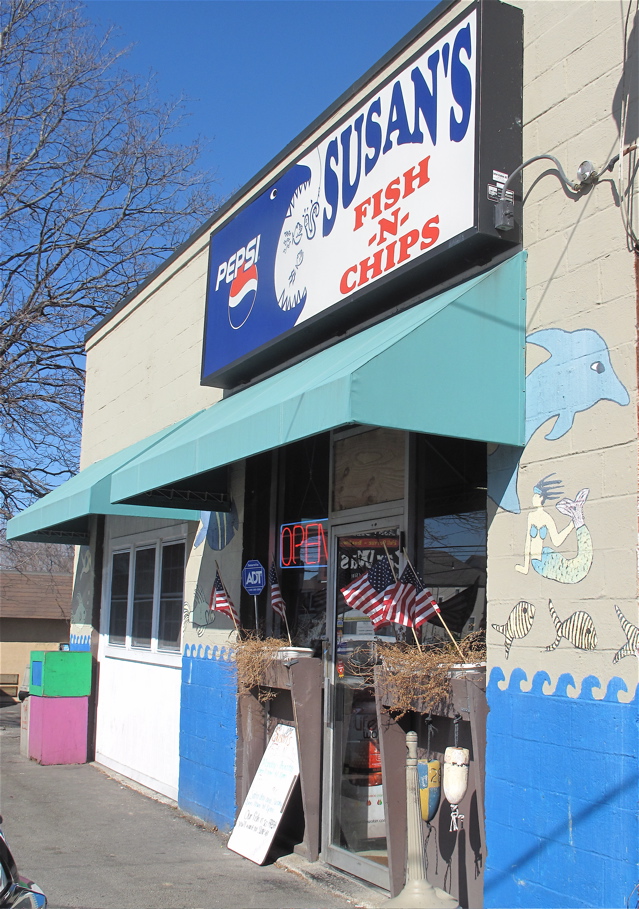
254, 657
409, 679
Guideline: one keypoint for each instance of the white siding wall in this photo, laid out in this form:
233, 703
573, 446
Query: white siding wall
138, 715
138, 724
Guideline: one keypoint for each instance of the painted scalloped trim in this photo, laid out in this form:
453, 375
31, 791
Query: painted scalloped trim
206, 652
540, 679
542, 684
564, 682
80, 642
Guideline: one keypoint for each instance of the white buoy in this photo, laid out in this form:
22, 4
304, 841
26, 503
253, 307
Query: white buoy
417, 892
456, 761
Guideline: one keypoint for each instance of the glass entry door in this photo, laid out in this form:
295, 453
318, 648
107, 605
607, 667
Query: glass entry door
354, 811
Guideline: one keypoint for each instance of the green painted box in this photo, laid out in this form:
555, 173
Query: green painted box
60, 673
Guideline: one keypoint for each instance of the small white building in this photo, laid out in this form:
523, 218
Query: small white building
414, 330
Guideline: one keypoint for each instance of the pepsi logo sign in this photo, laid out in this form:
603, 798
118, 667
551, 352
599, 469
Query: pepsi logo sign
242, 295
243, 258
240, 271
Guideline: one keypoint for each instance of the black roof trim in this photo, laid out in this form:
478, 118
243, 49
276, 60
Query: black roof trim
442, 7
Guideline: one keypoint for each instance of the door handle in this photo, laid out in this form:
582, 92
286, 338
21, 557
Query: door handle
328, 701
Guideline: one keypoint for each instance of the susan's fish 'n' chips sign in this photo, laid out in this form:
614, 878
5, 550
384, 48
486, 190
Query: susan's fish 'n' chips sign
401, 184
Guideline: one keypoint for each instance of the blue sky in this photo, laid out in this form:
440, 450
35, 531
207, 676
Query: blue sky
257, 72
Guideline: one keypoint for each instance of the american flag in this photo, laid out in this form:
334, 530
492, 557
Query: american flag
277, 600
409, 602
220, 600
366, 593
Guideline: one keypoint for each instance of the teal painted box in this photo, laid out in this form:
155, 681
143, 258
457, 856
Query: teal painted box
60, 674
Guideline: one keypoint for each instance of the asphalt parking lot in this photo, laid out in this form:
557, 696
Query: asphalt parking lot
92, 842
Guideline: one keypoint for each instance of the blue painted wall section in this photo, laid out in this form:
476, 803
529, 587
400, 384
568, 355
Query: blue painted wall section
208, 735
562, 825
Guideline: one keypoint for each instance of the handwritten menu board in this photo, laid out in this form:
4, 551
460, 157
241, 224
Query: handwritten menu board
267, 798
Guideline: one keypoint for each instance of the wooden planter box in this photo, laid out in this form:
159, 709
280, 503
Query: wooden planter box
298, 685
458, 857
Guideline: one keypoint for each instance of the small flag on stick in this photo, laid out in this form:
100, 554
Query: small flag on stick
366, 593
409, 602
277, 600
220, 600
426, 608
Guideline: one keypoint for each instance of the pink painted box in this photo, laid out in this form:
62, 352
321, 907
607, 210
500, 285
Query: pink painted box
58, 730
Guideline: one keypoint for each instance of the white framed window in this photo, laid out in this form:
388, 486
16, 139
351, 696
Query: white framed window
145, 596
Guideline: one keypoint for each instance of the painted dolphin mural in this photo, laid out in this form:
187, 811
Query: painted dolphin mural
577, 375
580, 373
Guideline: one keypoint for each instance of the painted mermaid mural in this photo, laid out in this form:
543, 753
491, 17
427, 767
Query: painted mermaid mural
542, 531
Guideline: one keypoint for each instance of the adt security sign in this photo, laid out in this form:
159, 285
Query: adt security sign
253, 577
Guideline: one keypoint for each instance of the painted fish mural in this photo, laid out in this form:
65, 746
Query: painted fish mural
218, 528
200, 616
577, 375
519, 623
578, 628
631, 647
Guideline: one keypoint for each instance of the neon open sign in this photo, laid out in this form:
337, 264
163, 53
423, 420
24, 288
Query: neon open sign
303, 545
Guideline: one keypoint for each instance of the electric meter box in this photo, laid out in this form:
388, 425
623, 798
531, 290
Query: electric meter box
60, 673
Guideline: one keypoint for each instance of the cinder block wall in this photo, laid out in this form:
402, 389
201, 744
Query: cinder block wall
208, 735
143, 366
561, 787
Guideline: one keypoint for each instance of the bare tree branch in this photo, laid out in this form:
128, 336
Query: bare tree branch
54, 558
93, 195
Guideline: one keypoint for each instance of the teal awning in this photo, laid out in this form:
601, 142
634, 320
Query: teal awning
451, 366
62, 516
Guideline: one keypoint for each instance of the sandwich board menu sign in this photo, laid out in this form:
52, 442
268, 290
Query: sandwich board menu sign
268, 796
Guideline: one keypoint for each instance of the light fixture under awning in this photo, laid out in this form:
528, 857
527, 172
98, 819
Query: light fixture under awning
62, 516
451, 366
